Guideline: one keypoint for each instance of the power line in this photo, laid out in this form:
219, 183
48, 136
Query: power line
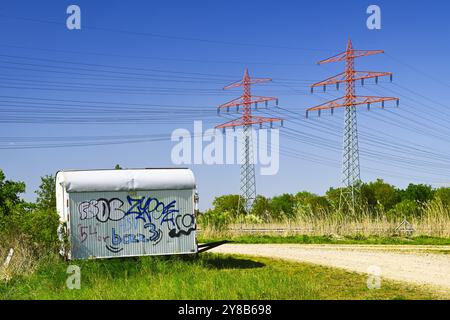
163, 36
133, 57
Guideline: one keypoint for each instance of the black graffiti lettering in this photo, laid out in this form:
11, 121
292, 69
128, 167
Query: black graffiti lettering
103, 206
186, 226
102, 209
113, 249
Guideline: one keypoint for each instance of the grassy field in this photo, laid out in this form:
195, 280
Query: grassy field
330, 239
207, 276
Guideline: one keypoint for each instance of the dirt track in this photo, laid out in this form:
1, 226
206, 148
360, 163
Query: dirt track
423, 265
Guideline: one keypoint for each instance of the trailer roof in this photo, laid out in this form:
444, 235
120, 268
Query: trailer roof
126, 180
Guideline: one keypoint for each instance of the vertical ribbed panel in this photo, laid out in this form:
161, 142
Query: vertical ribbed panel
117, 224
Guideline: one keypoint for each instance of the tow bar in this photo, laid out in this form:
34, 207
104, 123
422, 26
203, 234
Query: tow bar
208, 246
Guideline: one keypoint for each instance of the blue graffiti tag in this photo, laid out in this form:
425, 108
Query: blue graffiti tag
127, 238
148, 209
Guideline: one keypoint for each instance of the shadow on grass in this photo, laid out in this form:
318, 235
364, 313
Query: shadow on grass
128, 267
231, 263
216, 261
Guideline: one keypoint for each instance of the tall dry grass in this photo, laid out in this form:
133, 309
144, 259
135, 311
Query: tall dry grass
24, 260
433, 221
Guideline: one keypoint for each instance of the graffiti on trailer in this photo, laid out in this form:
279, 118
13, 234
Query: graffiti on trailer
101, 209
185, 225
147, 210
150, 209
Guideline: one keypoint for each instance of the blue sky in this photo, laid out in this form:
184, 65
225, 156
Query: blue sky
135, 61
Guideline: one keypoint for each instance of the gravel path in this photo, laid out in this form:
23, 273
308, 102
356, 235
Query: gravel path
414, 264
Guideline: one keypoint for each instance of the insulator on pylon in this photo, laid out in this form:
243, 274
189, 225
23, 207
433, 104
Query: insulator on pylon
337, 86
256, 105
368, 107
282, 123
260, 125
332, 111
223, 130
276, 102
382, 104
237, 108
376, 80
319, 112
312, 89
307, 114
228, 109
398, 103
218, 110
325, 88
271, 124
392, 77
267, 103
362, 82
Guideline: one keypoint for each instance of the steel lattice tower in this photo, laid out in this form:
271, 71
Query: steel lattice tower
248, 180
350, 162
247, 172
351, 172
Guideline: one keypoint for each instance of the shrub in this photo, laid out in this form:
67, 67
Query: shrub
42, 226
214, 220
444, 195
406, 209
249, 218
282, 206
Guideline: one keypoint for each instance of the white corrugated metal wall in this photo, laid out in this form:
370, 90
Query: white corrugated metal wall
117, 224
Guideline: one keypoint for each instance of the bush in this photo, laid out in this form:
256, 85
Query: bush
249, 218
37, 226
406, 209
42, 226
214, 220
261, 208
282, 206
379, 194
443, 194
418, 192
233, 204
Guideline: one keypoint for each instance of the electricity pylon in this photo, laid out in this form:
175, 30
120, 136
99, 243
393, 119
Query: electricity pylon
246, 121
350, 162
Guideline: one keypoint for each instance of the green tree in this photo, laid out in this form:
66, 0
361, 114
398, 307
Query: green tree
41, 226
406, 209
282, 206
313, 201
380, 193
261, 207
333, 196
231, 203
46, 194
418, 192
444, 195
9, 194
304, 196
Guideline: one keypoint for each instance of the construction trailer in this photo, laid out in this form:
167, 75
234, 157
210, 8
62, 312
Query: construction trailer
127, 212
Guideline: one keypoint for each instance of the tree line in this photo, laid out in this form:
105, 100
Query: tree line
38, 221
373, 199
33, 222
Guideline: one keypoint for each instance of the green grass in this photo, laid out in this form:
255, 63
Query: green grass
208, 276
305, 239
